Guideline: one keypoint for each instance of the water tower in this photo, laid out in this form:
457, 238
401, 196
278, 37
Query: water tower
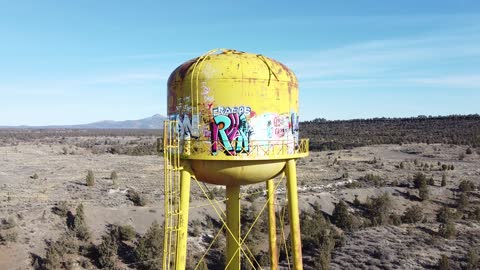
232, 121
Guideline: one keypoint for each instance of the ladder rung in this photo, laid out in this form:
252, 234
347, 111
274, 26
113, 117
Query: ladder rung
172, 188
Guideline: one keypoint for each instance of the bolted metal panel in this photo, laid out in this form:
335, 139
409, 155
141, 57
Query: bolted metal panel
233, 120
235, 106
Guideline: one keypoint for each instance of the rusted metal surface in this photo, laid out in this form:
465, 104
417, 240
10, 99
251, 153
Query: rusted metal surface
231, 104
237, 123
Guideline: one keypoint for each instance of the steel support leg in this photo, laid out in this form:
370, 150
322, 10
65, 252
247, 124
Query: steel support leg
291, 172
181, 252
272, 230
233, 222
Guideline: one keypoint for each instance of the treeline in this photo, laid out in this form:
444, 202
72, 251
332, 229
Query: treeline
115, 141
323, 134
28, 134
345, 134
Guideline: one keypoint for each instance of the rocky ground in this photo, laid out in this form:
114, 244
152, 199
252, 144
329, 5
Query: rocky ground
35, 177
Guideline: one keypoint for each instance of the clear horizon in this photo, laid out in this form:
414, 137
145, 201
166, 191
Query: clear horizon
76, 63
349, 119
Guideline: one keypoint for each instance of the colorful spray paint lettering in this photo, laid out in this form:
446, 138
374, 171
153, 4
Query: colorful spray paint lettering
271, 127
294, 122
281, 126
187, 128
235, 130
228, 110
231, 133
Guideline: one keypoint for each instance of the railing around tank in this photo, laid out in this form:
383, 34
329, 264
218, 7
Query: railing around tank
265, 149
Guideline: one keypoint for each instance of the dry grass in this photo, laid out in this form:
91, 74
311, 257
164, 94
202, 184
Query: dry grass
324, 178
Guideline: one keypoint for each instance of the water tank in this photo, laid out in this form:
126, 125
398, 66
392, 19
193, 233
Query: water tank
237, 116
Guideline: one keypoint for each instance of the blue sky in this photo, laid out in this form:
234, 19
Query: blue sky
70, 62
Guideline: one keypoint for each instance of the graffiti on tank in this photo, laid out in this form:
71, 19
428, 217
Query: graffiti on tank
187, 128
207, 98
281, 126
245, 110
230, 132
269, 129
294, 125
280, 132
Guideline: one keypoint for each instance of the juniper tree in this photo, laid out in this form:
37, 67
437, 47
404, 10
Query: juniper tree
341, 217
90, 178
149, 250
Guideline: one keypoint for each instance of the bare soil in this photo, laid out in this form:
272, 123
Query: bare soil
323, 177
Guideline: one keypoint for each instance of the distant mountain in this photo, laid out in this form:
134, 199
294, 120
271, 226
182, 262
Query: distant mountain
153, 122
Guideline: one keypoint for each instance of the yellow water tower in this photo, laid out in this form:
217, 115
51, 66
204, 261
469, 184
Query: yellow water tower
232, 121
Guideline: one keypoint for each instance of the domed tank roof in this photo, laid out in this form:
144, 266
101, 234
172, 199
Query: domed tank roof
235, 106
232, 64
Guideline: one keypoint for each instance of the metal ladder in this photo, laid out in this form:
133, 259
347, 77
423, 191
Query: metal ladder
172, 167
